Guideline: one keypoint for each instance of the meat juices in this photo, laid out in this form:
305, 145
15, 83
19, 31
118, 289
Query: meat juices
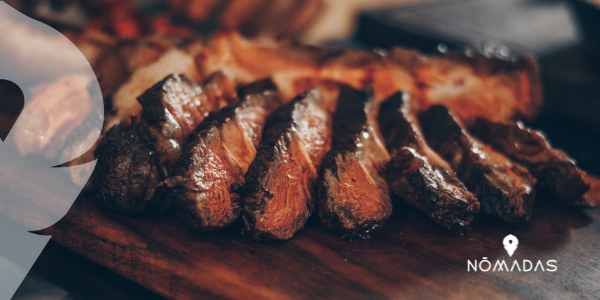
218, 155
353, 196
171, 110
554, 169
504, 188
280, 191
419, 175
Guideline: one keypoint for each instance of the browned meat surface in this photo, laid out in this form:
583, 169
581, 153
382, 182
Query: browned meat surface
279, 191
504, 188
476, 86
128, 169
417, 174
218, 155
172, 109
592, 197
554, 169
353, 196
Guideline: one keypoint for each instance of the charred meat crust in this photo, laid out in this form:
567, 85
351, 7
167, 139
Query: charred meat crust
217, 157
353, 196
280, 184
504, 188
171, 108
554, 169
412, 172
128, 169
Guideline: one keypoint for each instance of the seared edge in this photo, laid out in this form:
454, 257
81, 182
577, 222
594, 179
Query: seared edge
279, 191
419, 175
504, 188
555, 171
218, 155
353, 196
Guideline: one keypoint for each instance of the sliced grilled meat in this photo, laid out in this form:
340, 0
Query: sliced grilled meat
128, 169
504, 188
417, 174
279, 191
554, 169
172, 109
218, 155
353, 196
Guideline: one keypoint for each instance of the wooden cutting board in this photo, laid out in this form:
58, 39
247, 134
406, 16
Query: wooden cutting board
411, 258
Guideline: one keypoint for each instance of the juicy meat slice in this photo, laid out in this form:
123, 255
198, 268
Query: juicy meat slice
218, 155
417, 174
554, 169
279, 191
353, 196
172, 108
504, 188
128, 169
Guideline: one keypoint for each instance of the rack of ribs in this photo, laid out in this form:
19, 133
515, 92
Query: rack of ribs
419, 175
354, 199
503, 188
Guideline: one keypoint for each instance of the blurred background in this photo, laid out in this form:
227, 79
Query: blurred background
564, 35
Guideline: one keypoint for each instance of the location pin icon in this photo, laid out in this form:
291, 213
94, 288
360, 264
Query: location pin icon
510, 244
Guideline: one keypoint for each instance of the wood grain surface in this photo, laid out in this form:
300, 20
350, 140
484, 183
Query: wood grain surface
411, 258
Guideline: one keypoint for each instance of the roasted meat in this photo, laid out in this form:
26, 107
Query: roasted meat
174, 61
474, 86
128, 169
416, 173
218, 155
504, 188
478, 86
279, 191
172, 109
354, 198
554, 169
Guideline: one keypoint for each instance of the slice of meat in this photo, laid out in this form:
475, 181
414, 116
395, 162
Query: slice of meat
354, 199
218, 155
128, 169
173, 61
172, 109
175, 106
504, 188
417, 174
279, 192
554, 169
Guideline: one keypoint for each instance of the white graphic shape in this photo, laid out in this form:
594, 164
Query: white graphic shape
510, 244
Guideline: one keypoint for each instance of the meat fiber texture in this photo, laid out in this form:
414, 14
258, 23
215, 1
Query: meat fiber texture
218, 156
417, 174
173, 108
354, 198
504, 188
279, 191
555, 171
